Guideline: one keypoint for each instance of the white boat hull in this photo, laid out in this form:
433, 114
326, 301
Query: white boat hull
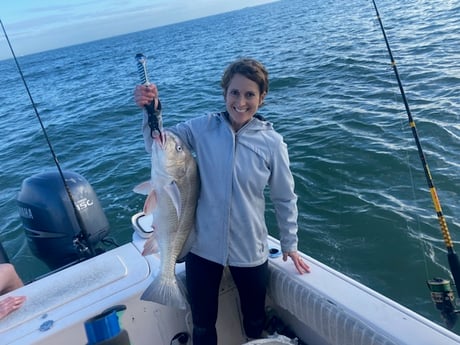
324, 307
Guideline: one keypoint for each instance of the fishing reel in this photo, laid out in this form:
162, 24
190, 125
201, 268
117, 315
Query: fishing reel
443, 297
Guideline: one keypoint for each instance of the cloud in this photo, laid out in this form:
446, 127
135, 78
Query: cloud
38, 27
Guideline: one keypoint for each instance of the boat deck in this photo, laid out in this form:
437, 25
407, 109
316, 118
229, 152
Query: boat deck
324, 307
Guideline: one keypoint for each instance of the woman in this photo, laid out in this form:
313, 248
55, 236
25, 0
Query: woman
238, 154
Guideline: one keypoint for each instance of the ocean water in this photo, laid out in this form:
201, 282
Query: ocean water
364, 205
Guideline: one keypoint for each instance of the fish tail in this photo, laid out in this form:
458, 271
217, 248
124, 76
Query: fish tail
166, 292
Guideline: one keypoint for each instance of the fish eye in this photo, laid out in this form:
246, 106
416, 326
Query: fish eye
178, 148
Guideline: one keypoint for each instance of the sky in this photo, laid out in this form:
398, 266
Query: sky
34, 26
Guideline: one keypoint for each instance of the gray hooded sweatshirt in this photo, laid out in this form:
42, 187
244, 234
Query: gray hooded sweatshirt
234, 170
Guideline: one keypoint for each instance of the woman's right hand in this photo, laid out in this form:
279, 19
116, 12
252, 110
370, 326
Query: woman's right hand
144, 94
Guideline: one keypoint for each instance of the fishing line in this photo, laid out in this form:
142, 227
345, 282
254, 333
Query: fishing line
426, 249
86, 245
452, 258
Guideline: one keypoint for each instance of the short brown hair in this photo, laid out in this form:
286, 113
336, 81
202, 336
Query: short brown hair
249, 68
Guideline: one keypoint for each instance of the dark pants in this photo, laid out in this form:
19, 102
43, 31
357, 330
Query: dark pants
203, 281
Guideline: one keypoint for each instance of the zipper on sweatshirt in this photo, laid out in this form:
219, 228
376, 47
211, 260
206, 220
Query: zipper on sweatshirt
230, 196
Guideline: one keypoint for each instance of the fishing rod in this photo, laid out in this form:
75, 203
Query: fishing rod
81, 241
441, 291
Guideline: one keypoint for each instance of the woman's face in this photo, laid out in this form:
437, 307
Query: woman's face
242, 100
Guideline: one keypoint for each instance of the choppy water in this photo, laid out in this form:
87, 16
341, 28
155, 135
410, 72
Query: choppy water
364, 205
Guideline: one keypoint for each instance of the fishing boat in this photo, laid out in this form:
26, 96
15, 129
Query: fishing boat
93, 296
324, 307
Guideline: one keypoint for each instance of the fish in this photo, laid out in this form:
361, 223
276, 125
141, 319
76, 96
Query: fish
172, 196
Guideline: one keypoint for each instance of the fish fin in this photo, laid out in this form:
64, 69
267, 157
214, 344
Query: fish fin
150, 203
174, 193
151, 246
143, 188
165, 291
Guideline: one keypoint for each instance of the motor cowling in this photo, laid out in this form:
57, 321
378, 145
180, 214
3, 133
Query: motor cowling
52, 230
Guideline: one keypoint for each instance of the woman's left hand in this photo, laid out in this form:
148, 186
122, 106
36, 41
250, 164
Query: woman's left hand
301, 266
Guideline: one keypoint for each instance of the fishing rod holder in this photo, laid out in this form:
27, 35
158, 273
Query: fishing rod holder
443, 297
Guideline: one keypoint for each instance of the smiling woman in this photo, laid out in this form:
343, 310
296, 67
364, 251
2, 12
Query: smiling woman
333, 96
242, 100
239, 154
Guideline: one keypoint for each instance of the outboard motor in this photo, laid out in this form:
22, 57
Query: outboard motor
51, 226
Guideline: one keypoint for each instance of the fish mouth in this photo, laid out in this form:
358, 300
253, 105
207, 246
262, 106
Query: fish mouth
160, 138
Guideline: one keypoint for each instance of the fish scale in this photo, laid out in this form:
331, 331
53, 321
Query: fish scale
172, 202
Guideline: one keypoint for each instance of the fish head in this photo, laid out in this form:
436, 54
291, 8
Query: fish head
170, 159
